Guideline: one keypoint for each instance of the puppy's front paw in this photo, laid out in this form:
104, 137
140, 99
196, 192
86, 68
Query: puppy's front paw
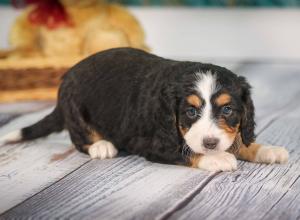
220, 161
102, 149
272, 154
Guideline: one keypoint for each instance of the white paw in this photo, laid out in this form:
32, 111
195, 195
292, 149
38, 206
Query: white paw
272, 154
220, 161
102, 149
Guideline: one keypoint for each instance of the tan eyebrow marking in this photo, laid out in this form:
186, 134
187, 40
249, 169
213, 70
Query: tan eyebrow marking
223, 99
194, 101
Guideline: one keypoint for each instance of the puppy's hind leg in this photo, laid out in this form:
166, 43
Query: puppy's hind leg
85, 138
77, 127
88, 141
79, 135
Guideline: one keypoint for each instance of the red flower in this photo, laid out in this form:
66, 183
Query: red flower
49, 13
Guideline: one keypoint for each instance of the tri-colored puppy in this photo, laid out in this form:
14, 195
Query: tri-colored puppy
191, 113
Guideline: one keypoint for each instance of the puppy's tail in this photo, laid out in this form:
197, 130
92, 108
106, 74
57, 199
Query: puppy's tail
54, 122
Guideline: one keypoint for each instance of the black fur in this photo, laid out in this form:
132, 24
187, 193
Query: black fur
247, 122
136, 101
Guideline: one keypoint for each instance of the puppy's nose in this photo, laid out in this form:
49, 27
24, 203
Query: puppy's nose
210, 143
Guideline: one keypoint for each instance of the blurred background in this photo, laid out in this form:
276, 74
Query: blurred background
279, 3
206, 29
55, 34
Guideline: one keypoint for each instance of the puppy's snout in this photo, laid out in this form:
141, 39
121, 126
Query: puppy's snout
210, 143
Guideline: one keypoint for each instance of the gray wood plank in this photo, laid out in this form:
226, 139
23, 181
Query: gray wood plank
5, 118
27, 168
24, 107
10, 111
119, 188
255, 191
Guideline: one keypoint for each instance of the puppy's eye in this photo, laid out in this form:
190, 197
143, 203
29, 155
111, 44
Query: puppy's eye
226, 110
192, 112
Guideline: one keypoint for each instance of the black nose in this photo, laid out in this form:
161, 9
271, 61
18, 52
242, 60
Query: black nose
210, 143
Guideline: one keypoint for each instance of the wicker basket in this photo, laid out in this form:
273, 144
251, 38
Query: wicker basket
32, 79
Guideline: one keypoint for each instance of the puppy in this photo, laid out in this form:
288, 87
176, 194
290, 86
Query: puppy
167, 111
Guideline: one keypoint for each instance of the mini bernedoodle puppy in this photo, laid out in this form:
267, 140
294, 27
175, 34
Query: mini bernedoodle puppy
167, 111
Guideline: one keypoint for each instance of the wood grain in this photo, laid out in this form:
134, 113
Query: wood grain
22, 108
113, 189
27, 168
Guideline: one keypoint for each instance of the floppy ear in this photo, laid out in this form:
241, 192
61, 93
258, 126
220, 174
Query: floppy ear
247, 121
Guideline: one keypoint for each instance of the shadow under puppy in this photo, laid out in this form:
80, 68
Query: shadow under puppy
167, 111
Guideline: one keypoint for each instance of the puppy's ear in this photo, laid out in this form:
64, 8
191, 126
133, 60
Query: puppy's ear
247, 121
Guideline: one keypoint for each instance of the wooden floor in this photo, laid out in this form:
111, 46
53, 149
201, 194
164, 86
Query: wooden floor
47, 179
